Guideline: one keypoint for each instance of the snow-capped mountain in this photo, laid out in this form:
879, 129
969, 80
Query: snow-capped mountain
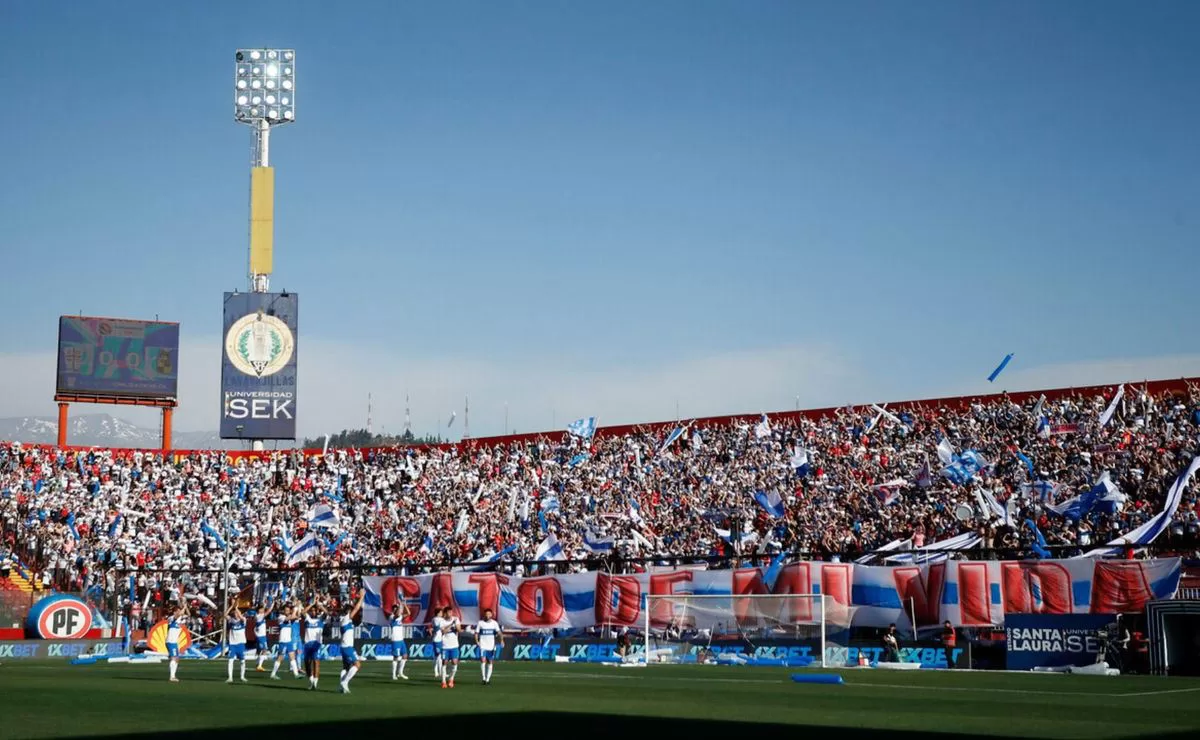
104, 430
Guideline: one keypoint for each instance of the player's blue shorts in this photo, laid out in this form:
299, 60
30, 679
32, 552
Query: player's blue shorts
449, 653
489, 655
349, 657
294, 647
237, 652
172, 650
260, 644
312, 650
437, 649
399, 650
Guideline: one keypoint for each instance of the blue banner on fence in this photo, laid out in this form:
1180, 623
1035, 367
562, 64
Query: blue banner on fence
1034, 640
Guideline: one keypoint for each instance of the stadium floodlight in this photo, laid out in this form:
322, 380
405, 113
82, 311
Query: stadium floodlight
264, 96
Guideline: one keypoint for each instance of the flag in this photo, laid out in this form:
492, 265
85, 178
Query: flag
1109, 498
427, 543
322, 515
635, 513
771, 502
594, 543
945, 451
208, 530
893, 545
578, 460
286, 540
1025, 459
583, 428
1037, 409
801, 462
675, 434
303, 550
550, 503
888, 493
1112, 407
71, 525
1044, 491
325, 447
464, 518
763, 428
115, 526
1039, 542
1043, 427
744, 538
549, 549
924, 476
1000, 368
697, 441
938, 551
333, 546
487, 561
1150, 531
453, 416
1104, 495
964, 467
772, 573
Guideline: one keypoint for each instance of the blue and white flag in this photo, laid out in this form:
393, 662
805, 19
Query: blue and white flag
1039, 542
304, 549
464, 518
1112, 407
583, 428
1043, 427
427, 543
115, 526
1025, 459
1109, 498
675, 434
578, 460
635, 513
964, 467
1104, 496
550, 503
772, 573
549, 549
938, 551
889, 493
1043, 490
487, 561
801, 462
945, 451
762, 429
594, 543
322, 515
1000, 368
71, 525
1148, 532
771, 502
745, 538
333, 546
697, 441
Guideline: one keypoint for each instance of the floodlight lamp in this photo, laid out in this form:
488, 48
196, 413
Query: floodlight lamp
287, 84
272, 70
274, 114
288, 55
242, 100
256, 84
270, 84
241, 84
256, 71
287, 71
256, 54
243, 71
272, 54
285, 100
289, 115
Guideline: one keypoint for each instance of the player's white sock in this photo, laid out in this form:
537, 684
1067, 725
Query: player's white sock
437, 666
483, 670
491, 667
262, 658
231, 669
243, 670
402, 662
453, 670
349, 675
342, 676
173, 666
275, 670
395, 667
294, 667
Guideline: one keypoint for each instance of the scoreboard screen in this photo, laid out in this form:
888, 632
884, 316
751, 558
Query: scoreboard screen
118, 357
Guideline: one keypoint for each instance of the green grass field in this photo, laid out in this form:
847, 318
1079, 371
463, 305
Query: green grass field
52, 699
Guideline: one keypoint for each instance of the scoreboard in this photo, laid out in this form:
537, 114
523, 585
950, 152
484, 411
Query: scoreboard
117, 357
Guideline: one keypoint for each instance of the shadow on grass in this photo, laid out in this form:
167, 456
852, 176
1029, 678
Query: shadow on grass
573, 725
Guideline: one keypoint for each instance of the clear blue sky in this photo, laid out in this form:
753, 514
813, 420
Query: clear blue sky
924, 186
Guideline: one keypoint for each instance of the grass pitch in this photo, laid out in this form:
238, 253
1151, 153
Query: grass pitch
53, 699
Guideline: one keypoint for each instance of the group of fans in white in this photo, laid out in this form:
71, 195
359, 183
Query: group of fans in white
300, 639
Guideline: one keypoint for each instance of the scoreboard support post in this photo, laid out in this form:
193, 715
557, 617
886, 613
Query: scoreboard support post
65, 400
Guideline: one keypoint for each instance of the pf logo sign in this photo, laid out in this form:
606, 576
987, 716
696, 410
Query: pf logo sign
59, 617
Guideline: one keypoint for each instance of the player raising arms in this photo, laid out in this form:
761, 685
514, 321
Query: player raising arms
350, 662
400, 611
283, 648
438, 625
260, 613
450, 628
490, 641
174, 632
236, 623
313, 626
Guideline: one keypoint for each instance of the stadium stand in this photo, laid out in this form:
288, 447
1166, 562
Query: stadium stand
830, 483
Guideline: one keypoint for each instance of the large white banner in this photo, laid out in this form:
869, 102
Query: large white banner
968, 593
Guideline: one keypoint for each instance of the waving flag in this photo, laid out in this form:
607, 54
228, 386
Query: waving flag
487, 561
1044, 491
578, 460
427, 543
675, 434
208, 530
771, 502
549, 549
322, 515
464, 518
115, 526
550, 503
304, 549
801, 462
762, 429
1112, 407
594, 543
1150, 531
945, 451
889, 493
583, 428
964, 467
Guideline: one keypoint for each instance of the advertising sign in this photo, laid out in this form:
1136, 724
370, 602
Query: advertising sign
258, 366
41, 649
1033, 640
59, 617
117, 357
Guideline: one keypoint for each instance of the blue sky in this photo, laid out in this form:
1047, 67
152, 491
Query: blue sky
614, 208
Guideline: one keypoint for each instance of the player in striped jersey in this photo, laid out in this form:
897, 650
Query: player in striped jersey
350, 662
288, 628
175, 629
313, 625
260, 613
236, 623
449, 647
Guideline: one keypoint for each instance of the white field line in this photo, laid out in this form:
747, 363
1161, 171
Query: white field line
1156, 693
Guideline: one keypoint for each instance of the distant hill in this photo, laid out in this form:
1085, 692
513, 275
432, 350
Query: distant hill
105, 430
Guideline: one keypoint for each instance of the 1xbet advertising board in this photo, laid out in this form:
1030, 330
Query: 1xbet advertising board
258, 366
117, 357
1033, 640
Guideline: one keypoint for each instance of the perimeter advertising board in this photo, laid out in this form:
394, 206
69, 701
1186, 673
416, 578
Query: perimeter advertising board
117, 357
258, 366
1034, 640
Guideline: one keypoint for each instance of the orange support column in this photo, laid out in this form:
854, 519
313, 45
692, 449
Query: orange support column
62, 424
166, 428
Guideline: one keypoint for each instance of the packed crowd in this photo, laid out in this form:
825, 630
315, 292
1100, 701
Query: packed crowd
846, 483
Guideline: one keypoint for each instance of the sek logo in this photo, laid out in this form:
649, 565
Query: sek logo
61, 617
258, 408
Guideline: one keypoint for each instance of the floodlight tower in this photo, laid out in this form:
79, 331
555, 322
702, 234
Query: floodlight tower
264, 96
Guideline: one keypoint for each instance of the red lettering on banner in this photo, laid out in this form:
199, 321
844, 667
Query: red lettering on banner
441, 594
489, 592
835, 583
796, 579
664, 585
747, 581
974, 599
626, 591
397, 589
922, 592
545, 593
1119, 587
1036, 588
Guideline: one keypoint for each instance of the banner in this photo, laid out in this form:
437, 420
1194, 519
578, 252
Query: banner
41, 649
967, 593
258, 366
1033, 640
